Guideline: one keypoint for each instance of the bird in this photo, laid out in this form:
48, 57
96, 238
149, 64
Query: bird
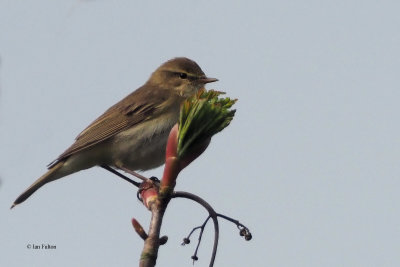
132, 134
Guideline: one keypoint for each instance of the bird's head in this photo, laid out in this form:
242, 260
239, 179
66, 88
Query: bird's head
181, 75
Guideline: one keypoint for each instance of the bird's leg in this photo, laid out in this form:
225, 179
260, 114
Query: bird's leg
108, 168
137, 175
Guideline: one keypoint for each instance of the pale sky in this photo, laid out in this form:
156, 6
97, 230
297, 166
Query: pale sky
310, 162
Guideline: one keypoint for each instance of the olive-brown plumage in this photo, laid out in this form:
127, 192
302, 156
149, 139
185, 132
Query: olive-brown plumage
133, 132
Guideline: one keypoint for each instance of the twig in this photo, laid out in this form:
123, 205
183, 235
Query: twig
156, 200
212, 215
150, 249
243, 230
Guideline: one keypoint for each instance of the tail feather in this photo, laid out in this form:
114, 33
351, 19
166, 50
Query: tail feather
51, 175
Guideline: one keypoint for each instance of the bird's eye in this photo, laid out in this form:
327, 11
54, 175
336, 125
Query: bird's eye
182, 75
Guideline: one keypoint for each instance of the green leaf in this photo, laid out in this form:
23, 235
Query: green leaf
202, 116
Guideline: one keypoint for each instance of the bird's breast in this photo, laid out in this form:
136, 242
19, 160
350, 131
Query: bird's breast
142, 146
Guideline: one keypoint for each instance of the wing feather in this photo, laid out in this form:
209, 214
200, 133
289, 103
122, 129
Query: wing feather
128, 112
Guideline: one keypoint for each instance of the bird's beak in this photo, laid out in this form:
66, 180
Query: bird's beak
207, 80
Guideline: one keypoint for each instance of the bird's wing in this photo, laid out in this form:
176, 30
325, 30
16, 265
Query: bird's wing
123, 115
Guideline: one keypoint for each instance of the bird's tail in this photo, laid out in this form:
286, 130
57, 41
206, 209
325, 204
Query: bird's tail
52, 174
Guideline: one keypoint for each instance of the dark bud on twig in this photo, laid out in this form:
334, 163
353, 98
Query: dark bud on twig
163, 240
246, 233
195, 258
248, 236
242, 232
185, 241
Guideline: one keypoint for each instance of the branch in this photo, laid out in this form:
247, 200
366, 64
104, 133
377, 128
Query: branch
201, 116
156, 199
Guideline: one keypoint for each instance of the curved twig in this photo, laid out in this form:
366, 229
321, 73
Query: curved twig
211, 212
